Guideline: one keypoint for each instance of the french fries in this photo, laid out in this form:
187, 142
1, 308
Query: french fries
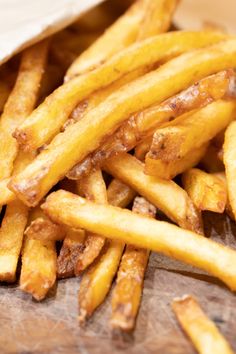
42, 229
11, 237
169, 170
123, 225
200, 329
230, 169
167, 196
207, 191
119, 194
38, 271
211, 161
143, 19
21, 102
191, 131
46, 121
126, 296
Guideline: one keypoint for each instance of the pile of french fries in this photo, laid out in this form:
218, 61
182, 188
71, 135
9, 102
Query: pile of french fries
96, 123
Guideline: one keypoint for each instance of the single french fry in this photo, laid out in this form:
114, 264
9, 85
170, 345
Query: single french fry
43, 229
229, 148
38, 271
21, 102
206, 190
93, 188
203, 332
141, 126
96, 282
166, 195
46, 121
70, 147
124, 225
228, 208
127, 293
119, 194
177, 139
210, 161
169, 170
11, 237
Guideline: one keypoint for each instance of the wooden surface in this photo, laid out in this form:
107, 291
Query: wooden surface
51, 326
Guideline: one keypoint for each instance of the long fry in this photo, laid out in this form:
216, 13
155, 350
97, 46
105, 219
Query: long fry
46, 121
191, 131
169, 170
38, 271
144, 123
144, 19
21, 102
77, 141
96, 282
201, 330
126, 296
165, 195
229, 162
206, 190
120, 224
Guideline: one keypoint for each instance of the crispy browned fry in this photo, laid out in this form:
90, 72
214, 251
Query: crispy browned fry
166, 195
124, 225
11, 236
93, 188
85, 136
119, 194
191, 131
38, 271
127, 293
169, 170
211, 161
206, 190
229, 162
144, 123
72, 247
43, 229
21, 102
228, 209
200, 329
46, 121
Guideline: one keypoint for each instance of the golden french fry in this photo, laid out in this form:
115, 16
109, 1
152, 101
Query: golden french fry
211, 161
93, 188
4, 93
21, 102
119, 194
191, 131
166, 195
124, 225
11, 237
207, 191
143, 124
77, 141
46, 121
43, 229
169, 170
126, 296
200, 329
38, 272
228, 208
230, 168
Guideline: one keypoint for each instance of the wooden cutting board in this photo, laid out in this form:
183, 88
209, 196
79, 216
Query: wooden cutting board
51, 326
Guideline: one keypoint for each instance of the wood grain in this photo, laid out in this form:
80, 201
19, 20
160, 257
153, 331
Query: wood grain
52, 327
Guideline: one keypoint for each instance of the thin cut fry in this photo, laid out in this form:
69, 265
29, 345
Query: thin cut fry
11, 237
191, 131
85, 136
127, 293
46, 121
229, 162
38, 271
200, 329
93, 188
169, 170
21, 102
206, 190
142, 125
152, 17
124, 225
167, 196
